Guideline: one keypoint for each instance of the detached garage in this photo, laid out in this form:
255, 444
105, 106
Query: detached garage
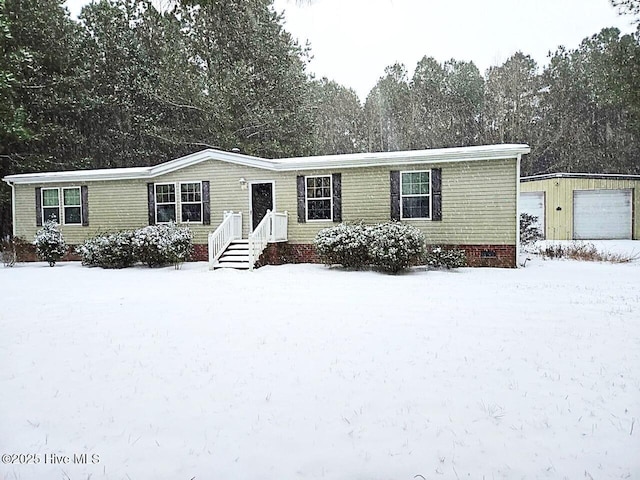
582, 206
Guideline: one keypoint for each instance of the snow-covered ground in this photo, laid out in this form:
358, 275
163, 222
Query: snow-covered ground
305, 372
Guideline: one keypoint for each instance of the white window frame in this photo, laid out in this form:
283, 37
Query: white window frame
156, 203
179, 200
430, 195
42, 206
61, 198
307, 199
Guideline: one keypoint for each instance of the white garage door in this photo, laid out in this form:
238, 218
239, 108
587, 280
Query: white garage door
533, 204
601, 214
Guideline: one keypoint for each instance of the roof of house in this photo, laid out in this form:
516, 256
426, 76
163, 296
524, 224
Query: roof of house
355, 160
605, 176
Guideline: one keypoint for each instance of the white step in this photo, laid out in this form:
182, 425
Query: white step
234, 258
235, 253
241, 265
237, 248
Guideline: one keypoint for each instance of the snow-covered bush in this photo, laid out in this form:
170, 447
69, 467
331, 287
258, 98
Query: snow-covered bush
49, 242
344, 244
439, 257
114, 250
8, 252
395, 246
529, 231
158, 245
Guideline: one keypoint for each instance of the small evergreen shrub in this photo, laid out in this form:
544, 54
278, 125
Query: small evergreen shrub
49, 242
155, 245
438, 257
114, 250
395, 246
158, 245
8, 252
344, 244
529, 231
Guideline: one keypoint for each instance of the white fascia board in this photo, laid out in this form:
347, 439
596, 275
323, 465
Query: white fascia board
443, 155
78, 176
211, 154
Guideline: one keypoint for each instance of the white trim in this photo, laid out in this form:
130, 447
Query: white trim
63, 206
430, 195
518, 160
42, 206
155, 201
13, 208
273, 199
325, 162
179, 201
306, 199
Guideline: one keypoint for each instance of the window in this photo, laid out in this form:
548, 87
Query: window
165, 202
191, 202
50, 204
415, 194
72, 206
318, 199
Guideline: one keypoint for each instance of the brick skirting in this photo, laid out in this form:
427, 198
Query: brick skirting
280, 253
503, 256
200, 253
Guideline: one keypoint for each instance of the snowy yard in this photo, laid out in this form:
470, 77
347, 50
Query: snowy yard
304, 372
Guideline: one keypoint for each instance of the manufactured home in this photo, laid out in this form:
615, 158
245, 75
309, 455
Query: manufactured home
583, 206
459, 197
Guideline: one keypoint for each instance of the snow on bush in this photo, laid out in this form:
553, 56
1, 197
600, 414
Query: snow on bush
391, 247
344, 244
438, 257
158, 245
49, 242
155, 245
395, 246
114, 250
529, 231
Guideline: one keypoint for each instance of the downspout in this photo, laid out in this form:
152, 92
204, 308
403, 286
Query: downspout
13, 207
518, 159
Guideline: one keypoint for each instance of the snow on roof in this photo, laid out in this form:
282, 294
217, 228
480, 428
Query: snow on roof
356, 160
610, 176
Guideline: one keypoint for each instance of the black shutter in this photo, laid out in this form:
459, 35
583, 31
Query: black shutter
436, 192
302, 215
206, 203
395, 194
38, 207
84, 198
337, 196
151, 201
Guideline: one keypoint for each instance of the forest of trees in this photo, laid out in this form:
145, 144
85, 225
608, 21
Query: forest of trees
128, 85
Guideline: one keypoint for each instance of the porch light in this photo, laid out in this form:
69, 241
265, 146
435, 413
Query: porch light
243, 183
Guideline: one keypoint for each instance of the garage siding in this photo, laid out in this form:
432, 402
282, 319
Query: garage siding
559, 193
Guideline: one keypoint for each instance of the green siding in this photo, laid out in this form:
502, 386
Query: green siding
478, 201
559, 193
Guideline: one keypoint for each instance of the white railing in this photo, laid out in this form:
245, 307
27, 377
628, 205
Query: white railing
230, 229
279, 227
259, 238
272, 228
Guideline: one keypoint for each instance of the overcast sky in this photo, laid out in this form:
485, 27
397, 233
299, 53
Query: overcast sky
352, 41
